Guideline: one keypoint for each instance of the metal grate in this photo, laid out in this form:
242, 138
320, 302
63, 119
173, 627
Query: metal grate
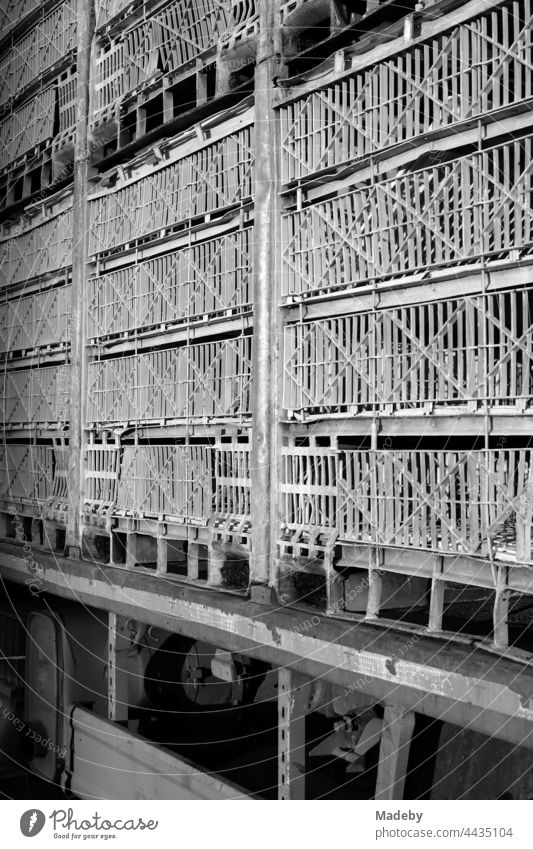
217, 176
31, 251
202, 279
26, 472
36, 396
477, 206
467, 71
35, 321
166, 481
455, 502
476, 349
209, 381
48, 42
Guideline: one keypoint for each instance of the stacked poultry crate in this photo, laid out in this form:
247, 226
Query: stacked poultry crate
169, 301
37, 99
35, 275
164, 64
407, 476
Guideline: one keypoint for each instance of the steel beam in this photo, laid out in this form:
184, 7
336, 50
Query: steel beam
80, 229
292, 698
398, 727
265, 353
431, 674
117, 679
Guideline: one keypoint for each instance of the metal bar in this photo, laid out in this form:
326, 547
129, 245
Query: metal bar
264, 495
398, 726
291, 737
117, 680
78, 369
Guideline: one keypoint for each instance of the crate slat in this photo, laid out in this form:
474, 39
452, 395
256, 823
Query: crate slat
161, 44
171, 481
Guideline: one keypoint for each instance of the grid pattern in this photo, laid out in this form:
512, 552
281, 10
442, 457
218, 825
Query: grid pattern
161, 44
102, 466
203, 279
477, 206
217, 176
476, 349
26, 127
166, 481
464, 502
12, 11
35, 321
36, 396
106, 10
48, 42
465, 72
26, 472
33, 251
208, 381
233, 484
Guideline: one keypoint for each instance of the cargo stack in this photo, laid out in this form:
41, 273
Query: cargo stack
407, 477
299, 237
169, 288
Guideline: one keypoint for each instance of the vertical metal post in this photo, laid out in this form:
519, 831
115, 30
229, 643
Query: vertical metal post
398, 726
78, 368
265, 300
291, 736
117, 682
